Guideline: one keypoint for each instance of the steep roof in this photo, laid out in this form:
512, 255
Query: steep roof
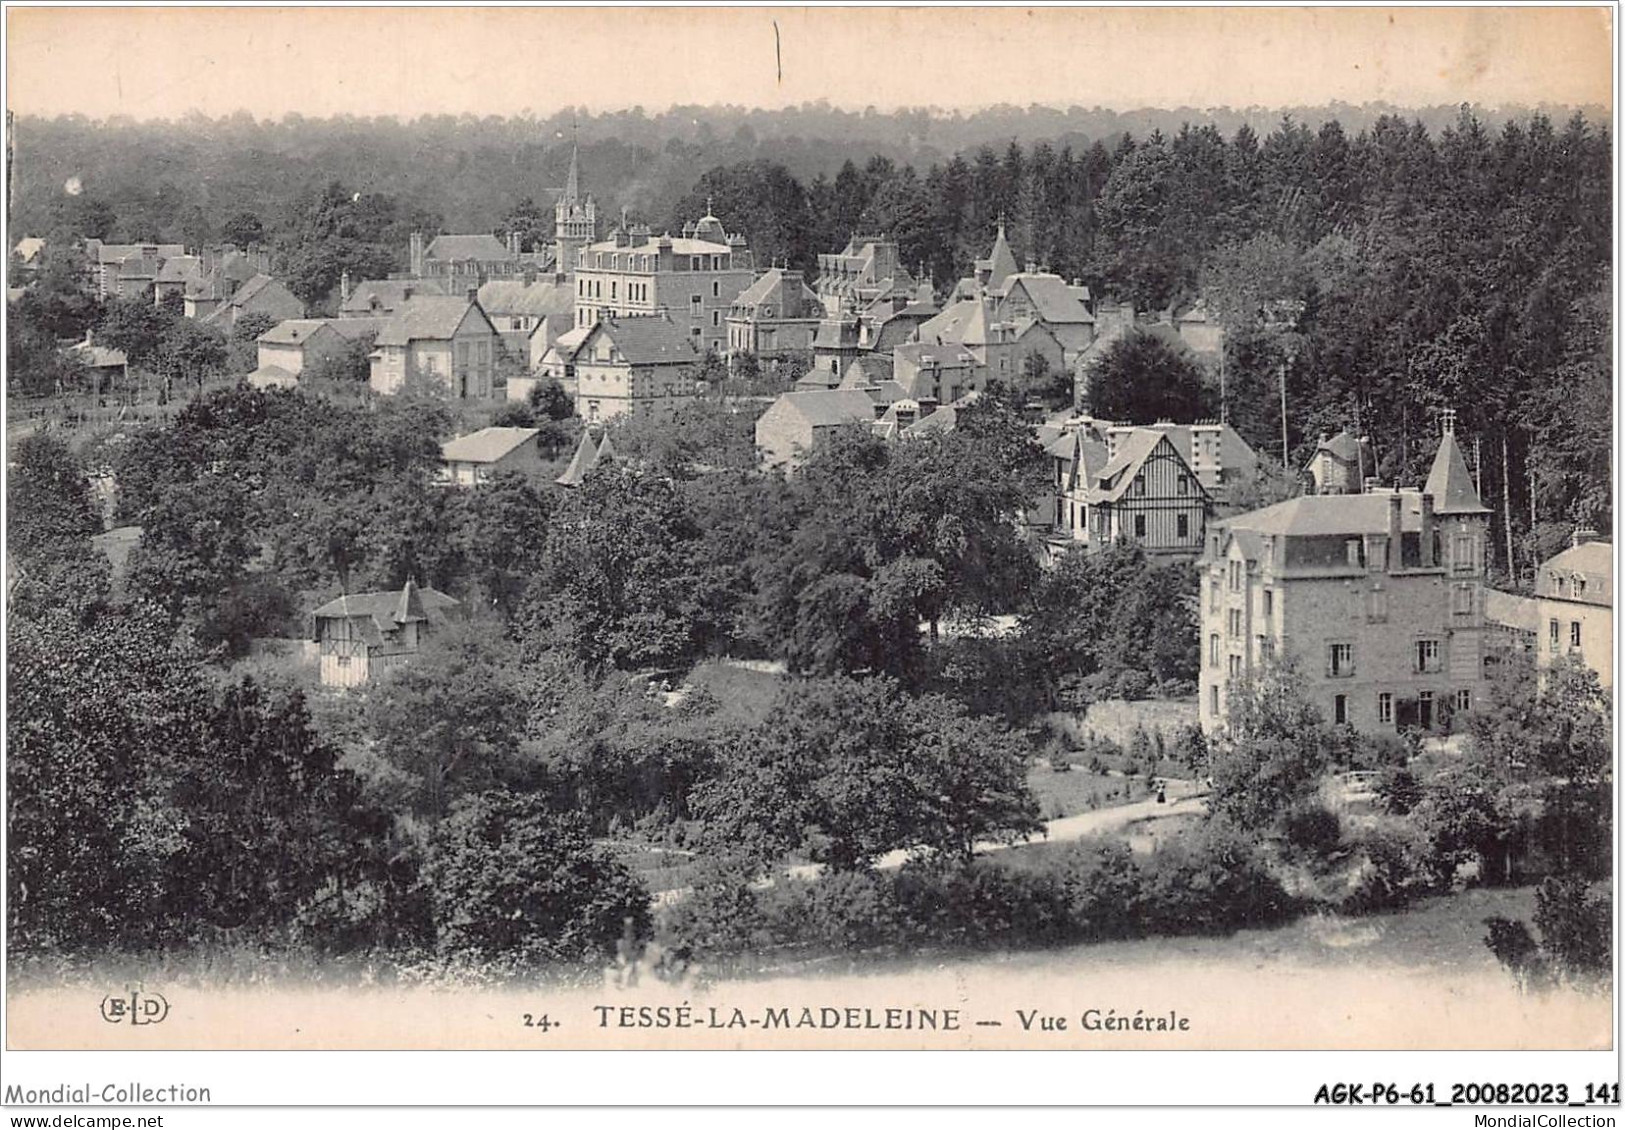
793, 297
28, 247
648, 341
486, 445
1451, 483
484, 247
1132, 452
1001, 260
1234, 452
923, 354
606, 450
180, 268
388, 610
506, 297
1312, 515
1342, 446
293, 331
352, 328
250, 288
822, 408
1052, 297
584, 460
867, 368
390, 293
431, 318
1594, 557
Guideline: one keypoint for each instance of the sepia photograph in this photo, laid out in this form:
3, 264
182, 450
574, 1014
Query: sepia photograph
810, 529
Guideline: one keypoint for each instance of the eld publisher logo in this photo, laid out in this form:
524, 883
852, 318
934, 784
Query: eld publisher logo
135, 1007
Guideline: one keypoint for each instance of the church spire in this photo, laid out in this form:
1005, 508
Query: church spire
572, 183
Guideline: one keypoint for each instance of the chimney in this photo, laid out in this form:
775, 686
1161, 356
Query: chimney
417, 254
1396, 558
1582, 536
1370, 485
513, 244
529, 273
1427, 531
344, 286
473, 294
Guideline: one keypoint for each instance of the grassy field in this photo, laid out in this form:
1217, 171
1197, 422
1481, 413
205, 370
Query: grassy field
1068, 794
745, 694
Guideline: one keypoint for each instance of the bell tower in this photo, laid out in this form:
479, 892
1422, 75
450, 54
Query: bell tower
575, 220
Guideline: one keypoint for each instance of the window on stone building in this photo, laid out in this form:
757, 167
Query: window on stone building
1385, 707
716, 288
1340, 660
1427, 655
1213, 699
1235, 624
1213, 594
1463, 602
1340, 709
1574, 633
1213, 650
1269, 603
1235, 576
1464, 700
1555, 629
1235, 666
1376, 605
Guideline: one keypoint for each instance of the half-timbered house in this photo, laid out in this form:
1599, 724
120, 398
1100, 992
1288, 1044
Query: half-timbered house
361, 635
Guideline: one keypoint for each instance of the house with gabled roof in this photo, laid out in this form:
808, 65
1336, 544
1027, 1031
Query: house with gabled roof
478, 457
292, 344
642, 366
440, 344
1340, 464
1129, 484
529, 315
261, 294
795, 423
1378, 596
360, 636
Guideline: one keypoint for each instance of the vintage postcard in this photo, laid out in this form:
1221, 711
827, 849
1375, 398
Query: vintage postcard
885, 529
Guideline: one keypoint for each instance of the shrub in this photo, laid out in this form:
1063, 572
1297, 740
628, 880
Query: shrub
1575, 946
983, 904
511, 879
1394, 869
722, 915
1103, 889
1398, 790
1211, 882
842, 911
1312, 827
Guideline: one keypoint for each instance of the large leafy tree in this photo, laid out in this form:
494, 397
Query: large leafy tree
1142, 378
845, 771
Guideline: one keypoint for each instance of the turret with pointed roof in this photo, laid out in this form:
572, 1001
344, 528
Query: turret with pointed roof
1449, 481
584, 460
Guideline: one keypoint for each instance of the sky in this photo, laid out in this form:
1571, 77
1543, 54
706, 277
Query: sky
168, 62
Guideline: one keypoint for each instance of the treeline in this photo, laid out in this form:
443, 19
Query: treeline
185, 179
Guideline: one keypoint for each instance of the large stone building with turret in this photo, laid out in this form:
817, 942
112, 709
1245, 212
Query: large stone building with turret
1379, 598
693, 278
